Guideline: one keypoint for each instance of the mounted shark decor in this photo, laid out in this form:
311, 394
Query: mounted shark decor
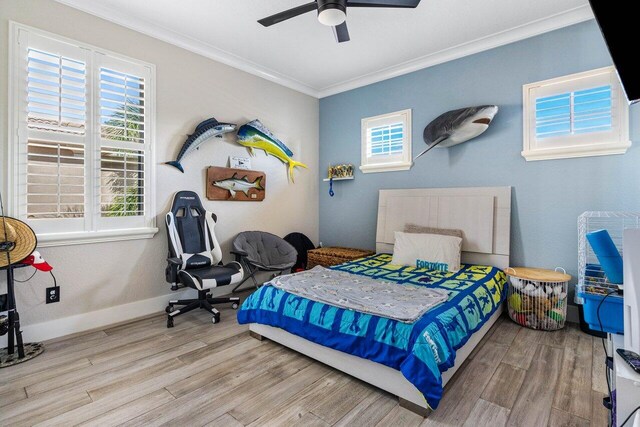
205, 130
255, 135
457, 126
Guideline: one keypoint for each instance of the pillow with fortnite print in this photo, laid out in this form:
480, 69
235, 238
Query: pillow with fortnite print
431, 251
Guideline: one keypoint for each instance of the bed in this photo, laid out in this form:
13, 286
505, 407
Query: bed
412, 361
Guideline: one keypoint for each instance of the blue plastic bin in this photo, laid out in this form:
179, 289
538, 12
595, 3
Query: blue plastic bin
611, 313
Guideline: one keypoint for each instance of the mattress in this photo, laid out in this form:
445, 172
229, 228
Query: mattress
421, 350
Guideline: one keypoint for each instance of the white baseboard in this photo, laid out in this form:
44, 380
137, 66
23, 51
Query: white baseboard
97, 319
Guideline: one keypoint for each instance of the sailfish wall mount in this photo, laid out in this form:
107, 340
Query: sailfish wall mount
457, 126
254, 135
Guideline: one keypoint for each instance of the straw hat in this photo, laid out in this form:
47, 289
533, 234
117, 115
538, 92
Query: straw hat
19, 242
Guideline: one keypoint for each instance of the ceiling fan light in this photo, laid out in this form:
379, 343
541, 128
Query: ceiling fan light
332, 17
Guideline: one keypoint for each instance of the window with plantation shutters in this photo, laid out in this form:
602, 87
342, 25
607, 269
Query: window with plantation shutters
82, 147
583, 114
386, 142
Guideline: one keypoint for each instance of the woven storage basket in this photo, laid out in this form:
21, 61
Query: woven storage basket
537, 298
329, 256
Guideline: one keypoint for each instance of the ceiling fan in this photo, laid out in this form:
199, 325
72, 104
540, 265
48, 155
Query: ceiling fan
333, 13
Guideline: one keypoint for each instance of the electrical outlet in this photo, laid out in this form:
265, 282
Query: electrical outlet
53, 294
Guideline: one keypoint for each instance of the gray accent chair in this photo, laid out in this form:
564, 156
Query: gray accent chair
261, 251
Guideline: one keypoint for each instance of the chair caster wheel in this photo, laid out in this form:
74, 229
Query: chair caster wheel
168, 309
235, 305
215, 319
170, 322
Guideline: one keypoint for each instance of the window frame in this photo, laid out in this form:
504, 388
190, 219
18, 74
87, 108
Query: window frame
93, 229
587, 144
397, 163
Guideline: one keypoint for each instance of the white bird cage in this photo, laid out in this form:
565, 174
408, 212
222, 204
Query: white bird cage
591, 277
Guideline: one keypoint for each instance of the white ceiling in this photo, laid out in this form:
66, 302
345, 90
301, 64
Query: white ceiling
302, 54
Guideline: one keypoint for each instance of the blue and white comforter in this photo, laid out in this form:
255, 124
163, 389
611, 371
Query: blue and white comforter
421, 350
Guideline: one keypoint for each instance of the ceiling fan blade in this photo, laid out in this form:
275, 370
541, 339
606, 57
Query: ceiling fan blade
341, 32
383, 3
288, 14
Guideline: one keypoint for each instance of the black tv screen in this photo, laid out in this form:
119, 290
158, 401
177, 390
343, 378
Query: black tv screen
616, 23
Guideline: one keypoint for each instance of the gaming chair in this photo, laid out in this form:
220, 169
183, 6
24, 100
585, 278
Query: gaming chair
195, 257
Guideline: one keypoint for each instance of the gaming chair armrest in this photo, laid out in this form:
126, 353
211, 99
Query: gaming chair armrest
171, 273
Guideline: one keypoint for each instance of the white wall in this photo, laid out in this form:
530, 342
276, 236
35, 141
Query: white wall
190, 88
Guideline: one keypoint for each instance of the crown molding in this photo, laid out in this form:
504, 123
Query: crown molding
553, 22
531, 29
189, 43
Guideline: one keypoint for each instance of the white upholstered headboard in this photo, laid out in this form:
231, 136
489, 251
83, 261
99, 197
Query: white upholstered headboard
482, 213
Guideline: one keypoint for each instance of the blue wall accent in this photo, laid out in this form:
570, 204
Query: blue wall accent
548, 195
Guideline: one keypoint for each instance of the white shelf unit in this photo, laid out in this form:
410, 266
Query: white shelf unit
347, 178
625, 381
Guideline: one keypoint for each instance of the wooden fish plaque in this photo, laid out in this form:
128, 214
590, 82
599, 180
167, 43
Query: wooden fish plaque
240, 185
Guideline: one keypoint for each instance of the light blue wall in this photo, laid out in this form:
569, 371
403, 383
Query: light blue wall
548, 195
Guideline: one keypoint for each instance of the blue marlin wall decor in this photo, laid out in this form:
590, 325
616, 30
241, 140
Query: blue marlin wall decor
205, 130
457, 126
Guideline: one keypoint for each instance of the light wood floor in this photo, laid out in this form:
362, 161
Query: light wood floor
197, 374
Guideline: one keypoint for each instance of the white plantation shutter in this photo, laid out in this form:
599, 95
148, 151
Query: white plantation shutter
83, 159
121, 182
54, 135
56, 92
124, 142
578, 115
385, 140
578, 112
122, 99
55, 179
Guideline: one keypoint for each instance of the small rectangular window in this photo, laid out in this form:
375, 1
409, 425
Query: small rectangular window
580, 115
386, 142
